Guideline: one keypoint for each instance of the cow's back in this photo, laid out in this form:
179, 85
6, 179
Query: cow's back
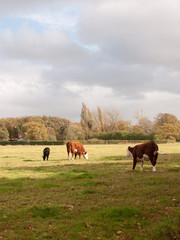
79, 147
150, 147
72, 146
145, 148
46, 151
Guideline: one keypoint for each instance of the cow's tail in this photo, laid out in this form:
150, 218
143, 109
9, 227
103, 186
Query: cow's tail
164, 153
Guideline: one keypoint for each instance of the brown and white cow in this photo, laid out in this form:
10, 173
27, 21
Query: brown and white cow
76, 148
145, 151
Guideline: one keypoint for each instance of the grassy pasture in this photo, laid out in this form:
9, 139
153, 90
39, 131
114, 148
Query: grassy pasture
99, 198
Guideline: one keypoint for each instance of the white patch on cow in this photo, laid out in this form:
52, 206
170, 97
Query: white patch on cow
145, 157
75, 150
154, 169
141, 166
86, 156
129, 154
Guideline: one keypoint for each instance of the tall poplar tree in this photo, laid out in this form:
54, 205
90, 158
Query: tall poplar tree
101, 119
86, 121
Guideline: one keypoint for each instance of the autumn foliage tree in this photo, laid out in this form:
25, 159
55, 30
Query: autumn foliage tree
167, 127
35, 131
162, 118
101, 124
4, 136
52, 125
168, 131
74, 132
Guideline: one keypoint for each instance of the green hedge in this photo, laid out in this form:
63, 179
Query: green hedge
93, 141
118, 135
31, 143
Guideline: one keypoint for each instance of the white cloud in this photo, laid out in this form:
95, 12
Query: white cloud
88, 93
114, 54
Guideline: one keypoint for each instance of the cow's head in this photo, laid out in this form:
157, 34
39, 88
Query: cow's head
85, 155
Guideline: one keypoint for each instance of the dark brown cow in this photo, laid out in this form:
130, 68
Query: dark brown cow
145, 151
46, 153
76, 148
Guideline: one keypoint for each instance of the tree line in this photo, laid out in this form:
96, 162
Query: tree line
96, 124
108, 125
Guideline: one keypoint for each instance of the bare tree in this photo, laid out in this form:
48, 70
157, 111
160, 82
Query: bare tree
139, 114
143, 122
111, 118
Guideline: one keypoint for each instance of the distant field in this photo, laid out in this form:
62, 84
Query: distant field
98, 198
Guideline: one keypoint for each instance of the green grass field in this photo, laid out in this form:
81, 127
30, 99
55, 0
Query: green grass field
98, 198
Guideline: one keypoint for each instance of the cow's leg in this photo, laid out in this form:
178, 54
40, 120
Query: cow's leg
154, 166
80, 154
134, 162
154, 169
68, 154
73, 156
153, 162
141, 165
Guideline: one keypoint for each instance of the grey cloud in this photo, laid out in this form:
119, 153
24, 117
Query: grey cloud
135, 30
130, 81
19, 7
50, 47
128, 48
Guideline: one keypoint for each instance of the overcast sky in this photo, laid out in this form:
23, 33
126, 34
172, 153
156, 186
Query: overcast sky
116, 54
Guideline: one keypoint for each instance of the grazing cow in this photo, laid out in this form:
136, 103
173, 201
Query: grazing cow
46, 153
76, 148
145, 151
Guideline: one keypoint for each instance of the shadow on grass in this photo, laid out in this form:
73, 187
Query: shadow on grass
29, 160
115, 158
119, 213
48, 212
